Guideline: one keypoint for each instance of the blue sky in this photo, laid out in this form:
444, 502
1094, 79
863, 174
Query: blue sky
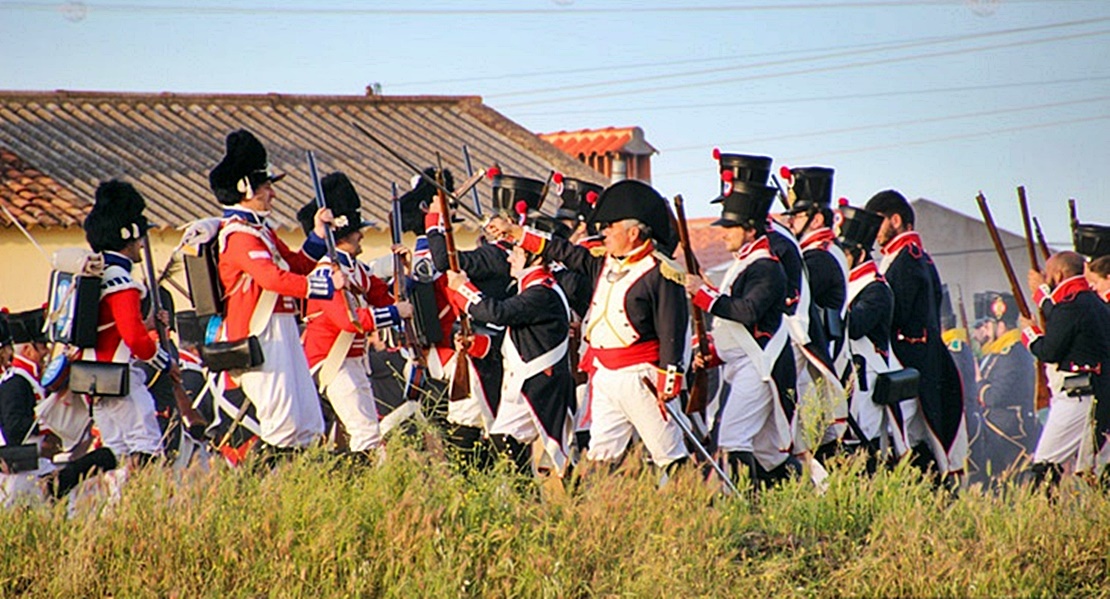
936, 98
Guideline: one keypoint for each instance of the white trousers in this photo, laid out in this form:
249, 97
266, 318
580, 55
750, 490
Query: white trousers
517, 419
620, 403
352, 398
129, 424
1067, 432
282, 390
750, 420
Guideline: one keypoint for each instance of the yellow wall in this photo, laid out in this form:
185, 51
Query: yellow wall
25, 273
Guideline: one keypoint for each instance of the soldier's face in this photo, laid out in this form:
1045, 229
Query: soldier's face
263, 198
736, 237
892, 226
620, 239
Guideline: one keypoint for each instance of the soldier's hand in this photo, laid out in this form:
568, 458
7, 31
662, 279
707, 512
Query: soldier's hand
320, 222
693, 283
338, 279
1025, 323
463, 342
699, 361
164, 318
456, 279
404, 309
1036, 279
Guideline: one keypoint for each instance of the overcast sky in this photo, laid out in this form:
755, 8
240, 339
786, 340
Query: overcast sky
937, 98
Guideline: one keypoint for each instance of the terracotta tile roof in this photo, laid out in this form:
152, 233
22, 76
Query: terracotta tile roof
166, 143
707, 242
610, 140
37, 199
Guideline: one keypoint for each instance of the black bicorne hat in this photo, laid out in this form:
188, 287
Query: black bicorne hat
508, 192
5, 329
579, 198
858, 228
116, 218
809, 188
746, 206
1091, 240
28, 326
244, 167
632, 199
996, 306
740, 168
341, 197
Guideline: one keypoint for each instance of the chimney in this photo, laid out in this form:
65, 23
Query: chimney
620, 168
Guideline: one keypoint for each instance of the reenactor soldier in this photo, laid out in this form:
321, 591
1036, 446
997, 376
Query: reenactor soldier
335, 338
263, 279
1076, 340
934, 423
1006, 390
637, 323
754, 407
116, 228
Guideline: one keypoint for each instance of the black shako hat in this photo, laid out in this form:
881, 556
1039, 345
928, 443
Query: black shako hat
116, 218
809, 188
341, 197
244, 167
27, 326
579, 198
858, 228
1091, 240
5, 329
740, 168
509, 191
747, 205
632, 199
415, 202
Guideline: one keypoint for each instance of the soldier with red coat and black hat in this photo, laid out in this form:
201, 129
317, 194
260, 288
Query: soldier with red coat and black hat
636, 327
934, 424
754, 407
116, 228
335, 345
263, 279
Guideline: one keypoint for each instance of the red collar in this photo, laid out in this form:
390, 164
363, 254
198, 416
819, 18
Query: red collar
759, 244
1068, 288
188, 356
26, 365
863, 270
818, 237
536, 275
908, 239
1105, 295
637, 254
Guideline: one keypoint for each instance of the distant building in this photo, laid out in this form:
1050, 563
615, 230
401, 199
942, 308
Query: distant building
616, 152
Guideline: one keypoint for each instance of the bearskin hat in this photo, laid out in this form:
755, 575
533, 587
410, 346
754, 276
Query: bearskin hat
341, 197
414, 203
116, 218
244, 167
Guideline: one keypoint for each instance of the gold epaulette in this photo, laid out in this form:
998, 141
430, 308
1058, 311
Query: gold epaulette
597, 251
671, 270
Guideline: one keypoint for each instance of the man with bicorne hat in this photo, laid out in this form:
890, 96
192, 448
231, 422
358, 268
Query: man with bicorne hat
754, 407
262, 279
335, 345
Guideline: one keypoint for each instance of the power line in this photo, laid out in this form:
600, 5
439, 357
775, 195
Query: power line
449, 12
789, 100
900, 45
812, 70
855, 129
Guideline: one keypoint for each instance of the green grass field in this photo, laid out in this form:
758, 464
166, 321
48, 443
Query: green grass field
414, 528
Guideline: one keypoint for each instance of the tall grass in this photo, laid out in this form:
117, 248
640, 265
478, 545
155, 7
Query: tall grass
413, 527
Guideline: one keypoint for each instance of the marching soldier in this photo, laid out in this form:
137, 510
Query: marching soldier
335, 346
636, 326
116, 228
538, 390
934, 423
754, 407
263, 278
870, 304
1076, 339
1007, 387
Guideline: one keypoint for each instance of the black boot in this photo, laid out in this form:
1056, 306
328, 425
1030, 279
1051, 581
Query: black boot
90, 464
518, 453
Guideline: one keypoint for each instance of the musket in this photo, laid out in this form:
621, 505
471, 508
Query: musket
699, 388
781, 193
1015, 286
1043, 393
191, 419
963, 312
329, 238
412, 387
543, 192
433, 181
473, 190
1045, 252
460, 383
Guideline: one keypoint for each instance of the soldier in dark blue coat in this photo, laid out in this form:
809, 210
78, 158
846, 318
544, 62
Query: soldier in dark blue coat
934, 425
1076, 340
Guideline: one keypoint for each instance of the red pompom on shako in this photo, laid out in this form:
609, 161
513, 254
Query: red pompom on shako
494, 171
727, 176
842, 201
591, 198
716, 153
521, 207
557, 178
785, 173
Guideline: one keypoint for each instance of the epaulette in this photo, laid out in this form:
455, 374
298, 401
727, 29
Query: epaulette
597, 251
671, 270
